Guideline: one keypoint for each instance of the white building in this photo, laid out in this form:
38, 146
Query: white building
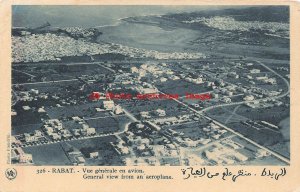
29, 138
55, 136
140, 126
254, 71
20, 156
148, 90
37, 133
134, 70
163, 79
26, 108
249, 98
80, 160
118, 110
226, 100
160, 112
34, 91
41, 110
145, 114
108, 105
90, 131
94, 155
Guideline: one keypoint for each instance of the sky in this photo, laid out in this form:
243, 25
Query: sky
90, 16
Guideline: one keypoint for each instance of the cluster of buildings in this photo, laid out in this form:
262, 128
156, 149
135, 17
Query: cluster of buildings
223, 155
224, 91
144, 88
230, 24
261, 125
158, 116
143, 53
208, 133
139, 147
32, 137
121, 148
265, 103
267, 80
76, 158
52, 47
140, 141
229, 152
282, 68
166, 150
55, 130
197, 80
28, 139
80, 32
158, 113
142, 145
173, 120
108, 105
19, 156
31, 95
159, 73
85, 130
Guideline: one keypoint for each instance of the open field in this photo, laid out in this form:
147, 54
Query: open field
181, 87
171, 108
48, 155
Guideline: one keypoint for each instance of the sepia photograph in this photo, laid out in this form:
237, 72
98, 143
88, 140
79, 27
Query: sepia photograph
150, 85
131, 96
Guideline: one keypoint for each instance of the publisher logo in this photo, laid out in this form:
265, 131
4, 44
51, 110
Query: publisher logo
11, 173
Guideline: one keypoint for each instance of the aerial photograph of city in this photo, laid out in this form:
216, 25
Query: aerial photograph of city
150, 85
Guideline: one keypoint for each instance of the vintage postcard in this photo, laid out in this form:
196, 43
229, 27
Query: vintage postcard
149, 96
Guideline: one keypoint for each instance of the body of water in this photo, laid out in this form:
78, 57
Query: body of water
149, 37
